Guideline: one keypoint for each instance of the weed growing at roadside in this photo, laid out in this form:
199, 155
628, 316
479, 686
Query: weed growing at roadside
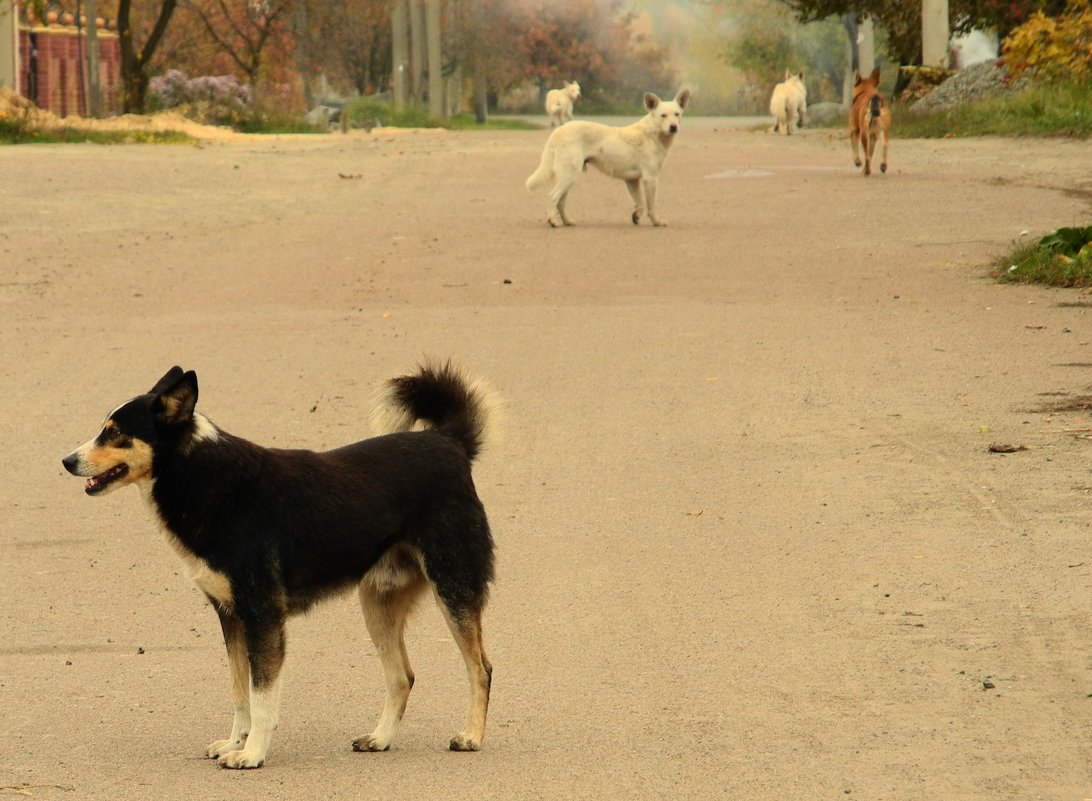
1062, 258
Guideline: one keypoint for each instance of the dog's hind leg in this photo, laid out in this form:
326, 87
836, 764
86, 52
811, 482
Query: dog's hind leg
386, 608
466, 627
634, 187
884, 132
555, 210
235, 640
855, 138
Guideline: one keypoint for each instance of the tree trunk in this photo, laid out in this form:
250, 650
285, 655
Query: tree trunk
417, 49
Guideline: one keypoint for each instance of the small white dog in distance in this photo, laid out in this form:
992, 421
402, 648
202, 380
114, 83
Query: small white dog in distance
789, 102
634, 154
559, 103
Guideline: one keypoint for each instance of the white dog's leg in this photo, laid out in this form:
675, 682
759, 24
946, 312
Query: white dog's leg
650, 201
566, 175
240, 687
634, 187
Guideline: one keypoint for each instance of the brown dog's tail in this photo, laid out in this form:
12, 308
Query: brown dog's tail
874, 108
444, 398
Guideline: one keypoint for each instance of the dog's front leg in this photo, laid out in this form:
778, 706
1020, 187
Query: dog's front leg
634, 187
650, 199
235, 640
265, 651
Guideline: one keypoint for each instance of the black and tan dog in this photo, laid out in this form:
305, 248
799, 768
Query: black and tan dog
265, 533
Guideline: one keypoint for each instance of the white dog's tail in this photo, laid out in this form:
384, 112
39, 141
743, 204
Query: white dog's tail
545, 172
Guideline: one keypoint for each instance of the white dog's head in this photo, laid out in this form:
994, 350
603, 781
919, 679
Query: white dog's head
572, 90
668, 112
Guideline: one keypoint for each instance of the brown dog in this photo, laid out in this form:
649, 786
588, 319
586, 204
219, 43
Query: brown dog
869, 118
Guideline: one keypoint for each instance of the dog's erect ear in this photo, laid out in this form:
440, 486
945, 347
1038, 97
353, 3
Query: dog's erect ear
168, 380
788, 74
174, 402
682, 98
875, 76
651, 101
801, 75
856, 77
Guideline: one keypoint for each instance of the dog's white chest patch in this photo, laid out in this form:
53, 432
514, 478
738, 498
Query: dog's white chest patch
211, 582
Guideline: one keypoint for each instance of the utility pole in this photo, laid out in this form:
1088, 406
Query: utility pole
934, 33
93, 84
399, 54
435, 60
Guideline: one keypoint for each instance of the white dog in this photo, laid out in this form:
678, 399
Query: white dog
559, 103
634, 153
789, 102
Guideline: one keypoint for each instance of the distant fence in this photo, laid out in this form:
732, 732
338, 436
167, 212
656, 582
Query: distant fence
49, 68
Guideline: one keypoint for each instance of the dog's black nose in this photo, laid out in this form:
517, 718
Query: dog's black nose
69, 462
674, 129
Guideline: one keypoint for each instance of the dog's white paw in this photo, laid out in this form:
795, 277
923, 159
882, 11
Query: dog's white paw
370, 743
464, 742
218, 748
240, 760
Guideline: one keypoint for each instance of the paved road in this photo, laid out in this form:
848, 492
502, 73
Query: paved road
751, 542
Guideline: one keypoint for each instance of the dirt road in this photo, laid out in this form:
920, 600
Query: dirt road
752, 544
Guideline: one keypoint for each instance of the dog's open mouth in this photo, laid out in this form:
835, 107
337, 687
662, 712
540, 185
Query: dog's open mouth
97, 484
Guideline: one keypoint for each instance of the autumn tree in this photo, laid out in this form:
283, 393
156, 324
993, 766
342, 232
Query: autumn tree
903, 20
595, 44
350, 43
148, 25
244, 31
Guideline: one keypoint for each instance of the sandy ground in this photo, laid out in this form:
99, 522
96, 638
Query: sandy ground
752, 544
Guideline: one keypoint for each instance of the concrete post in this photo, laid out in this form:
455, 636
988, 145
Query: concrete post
934, 33
866, 46
9, 45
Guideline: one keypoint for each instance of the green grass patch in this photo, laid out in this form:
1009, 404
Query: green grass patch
368, 113
16, 132
467, 122
1044, 110
1062, 258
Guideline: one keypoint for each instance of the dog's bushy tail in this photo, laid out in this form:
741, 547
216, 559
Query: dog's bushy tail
545, 172
874, 108
441, 396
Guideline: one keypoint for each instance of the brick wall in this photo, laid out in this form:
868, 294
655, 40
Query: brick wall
49, 64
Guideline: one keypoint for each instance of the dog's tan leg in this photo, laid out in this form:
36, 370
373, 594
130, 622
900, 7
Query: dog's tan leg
565, 219
235, 641
467, 630
885, 132
634, 187
854, 141
650, 201
266, 657
385, 613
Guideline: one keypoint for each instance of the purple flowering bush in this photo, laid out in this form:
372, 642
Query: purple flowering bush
211, 99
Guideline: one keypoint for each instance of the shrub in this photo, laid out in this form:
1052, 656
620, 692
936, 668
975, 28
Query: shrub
1052, 49
212, 99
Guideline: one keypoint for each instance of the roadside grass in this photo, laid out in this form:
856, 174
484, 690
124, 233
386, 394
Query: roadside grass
17, 132
1063, 110
368, 113
1062, 258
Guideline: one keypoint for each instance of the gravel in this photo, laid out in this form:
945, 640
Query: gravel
972, 83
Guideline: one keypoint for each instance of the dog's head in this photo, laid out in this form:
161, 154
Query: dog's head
573, 90
124, 450
668, 113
